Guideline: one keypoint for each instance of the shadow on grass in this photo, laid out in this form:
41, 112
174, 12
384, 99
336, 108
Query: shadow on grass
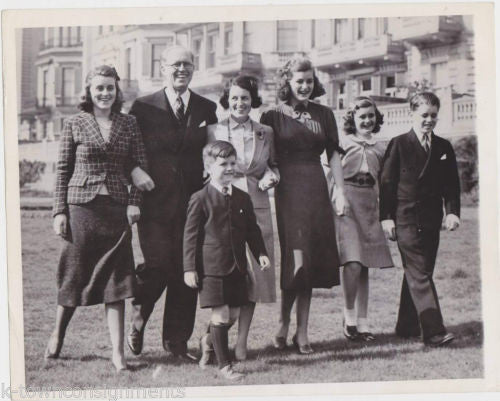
386, 346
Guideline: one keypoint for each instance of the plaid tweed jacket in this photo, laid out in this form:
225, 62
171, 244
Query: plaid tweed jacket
86, 161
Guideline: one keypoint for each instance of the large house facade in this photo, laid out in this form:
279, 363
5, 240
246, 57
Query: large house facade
379, 57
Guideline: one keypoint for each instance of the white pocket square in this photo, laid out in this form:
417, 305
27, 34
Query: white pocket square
202, 124
443, 157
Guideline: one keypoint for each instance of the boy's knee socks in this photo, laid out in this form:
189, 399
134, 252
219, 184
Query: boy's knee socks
219, 337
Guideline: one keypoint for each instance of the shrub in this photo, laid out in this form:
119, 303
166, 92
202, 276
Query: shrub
466, 152
30, 171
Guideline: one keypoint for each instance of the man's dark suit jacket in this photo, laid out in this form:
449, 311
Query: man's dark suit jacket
174, 151
413, 187
217, 230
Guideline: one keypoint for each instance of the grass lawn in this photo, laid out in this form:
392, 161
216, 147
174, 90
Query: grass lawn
85, 363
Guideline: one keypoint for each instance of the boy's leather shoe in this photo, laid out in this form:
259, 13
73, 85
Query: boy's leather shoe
439, 340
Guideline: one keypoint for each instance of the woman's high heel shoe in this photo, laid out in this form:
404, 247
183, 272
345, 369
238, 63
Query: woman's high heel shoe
302, 349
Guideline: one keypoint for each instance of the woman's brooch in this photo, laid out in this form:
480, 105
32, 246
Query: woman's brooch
301, 115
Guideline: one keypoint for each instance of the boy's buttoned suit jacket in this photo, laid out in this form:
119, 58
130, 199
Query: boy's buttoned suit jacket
217, 230
86, 161
414, 189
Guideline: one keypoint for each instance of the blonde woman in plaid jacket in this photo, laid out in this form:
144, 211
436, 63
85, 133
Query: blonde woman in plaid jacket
94, 208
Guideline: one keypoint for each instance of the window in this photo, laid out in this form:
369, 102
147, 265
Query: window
78, 35
211, 49
69, 39
390, 85
100, 29
156, 51
61, 35
385, 25
44, 129
390, 81
44, 87
439, 74
228, 38
313, 34
366, 85
111, 28
50, 37
128, 63
341, 31
341, 95
287, 36
361, 28
195, 48
68, 85
323, 30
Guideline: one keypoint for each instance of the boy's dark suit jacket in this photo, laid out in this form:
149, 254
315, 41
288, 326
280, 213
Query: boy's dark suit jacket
174, 151
413, 186
216, 231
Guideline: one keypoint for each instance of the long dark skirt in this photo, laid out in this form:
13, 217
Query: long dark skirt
97, 263
309, 256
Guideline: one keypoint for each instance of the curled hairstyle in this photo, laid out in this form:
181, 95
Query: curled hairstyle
104, 71
424, 98
246, 82
217, 149
358, 103
297, 64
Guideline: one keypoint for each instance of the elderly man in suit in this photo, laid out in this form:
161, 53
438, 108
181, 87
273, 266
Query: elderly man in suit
419, 176
173, 123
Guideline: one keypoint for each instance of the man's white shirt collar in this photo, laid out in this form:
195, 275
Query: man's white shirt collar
172, 97
219, 188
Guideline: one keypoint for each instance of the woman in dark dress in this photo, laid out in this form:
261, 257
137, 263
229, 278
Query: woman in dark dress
309, 258
93, 209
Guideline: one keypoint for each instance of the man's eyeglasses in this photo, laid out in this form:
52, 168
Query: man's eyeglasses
182, 64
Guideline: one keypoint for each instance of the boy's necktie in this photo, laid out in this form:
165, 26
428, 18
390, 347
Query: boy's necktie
426, 143
179, 108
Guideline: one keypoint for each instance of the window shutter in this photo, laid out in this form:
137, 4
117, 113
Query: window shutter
146, 59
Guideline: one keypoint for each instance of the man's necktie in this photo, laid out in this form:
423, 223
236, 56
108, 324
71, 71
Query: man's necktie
225, 191
179, 108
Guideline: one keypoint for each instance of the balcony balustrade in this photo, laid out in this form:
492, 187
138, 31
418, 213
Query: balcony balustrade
379, 48
232, 63
397, 119
427, 30
52, 43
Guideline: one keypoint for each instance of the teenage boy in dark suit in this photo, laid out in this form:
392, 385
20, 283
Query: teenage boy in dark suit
220, 222
419, 176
